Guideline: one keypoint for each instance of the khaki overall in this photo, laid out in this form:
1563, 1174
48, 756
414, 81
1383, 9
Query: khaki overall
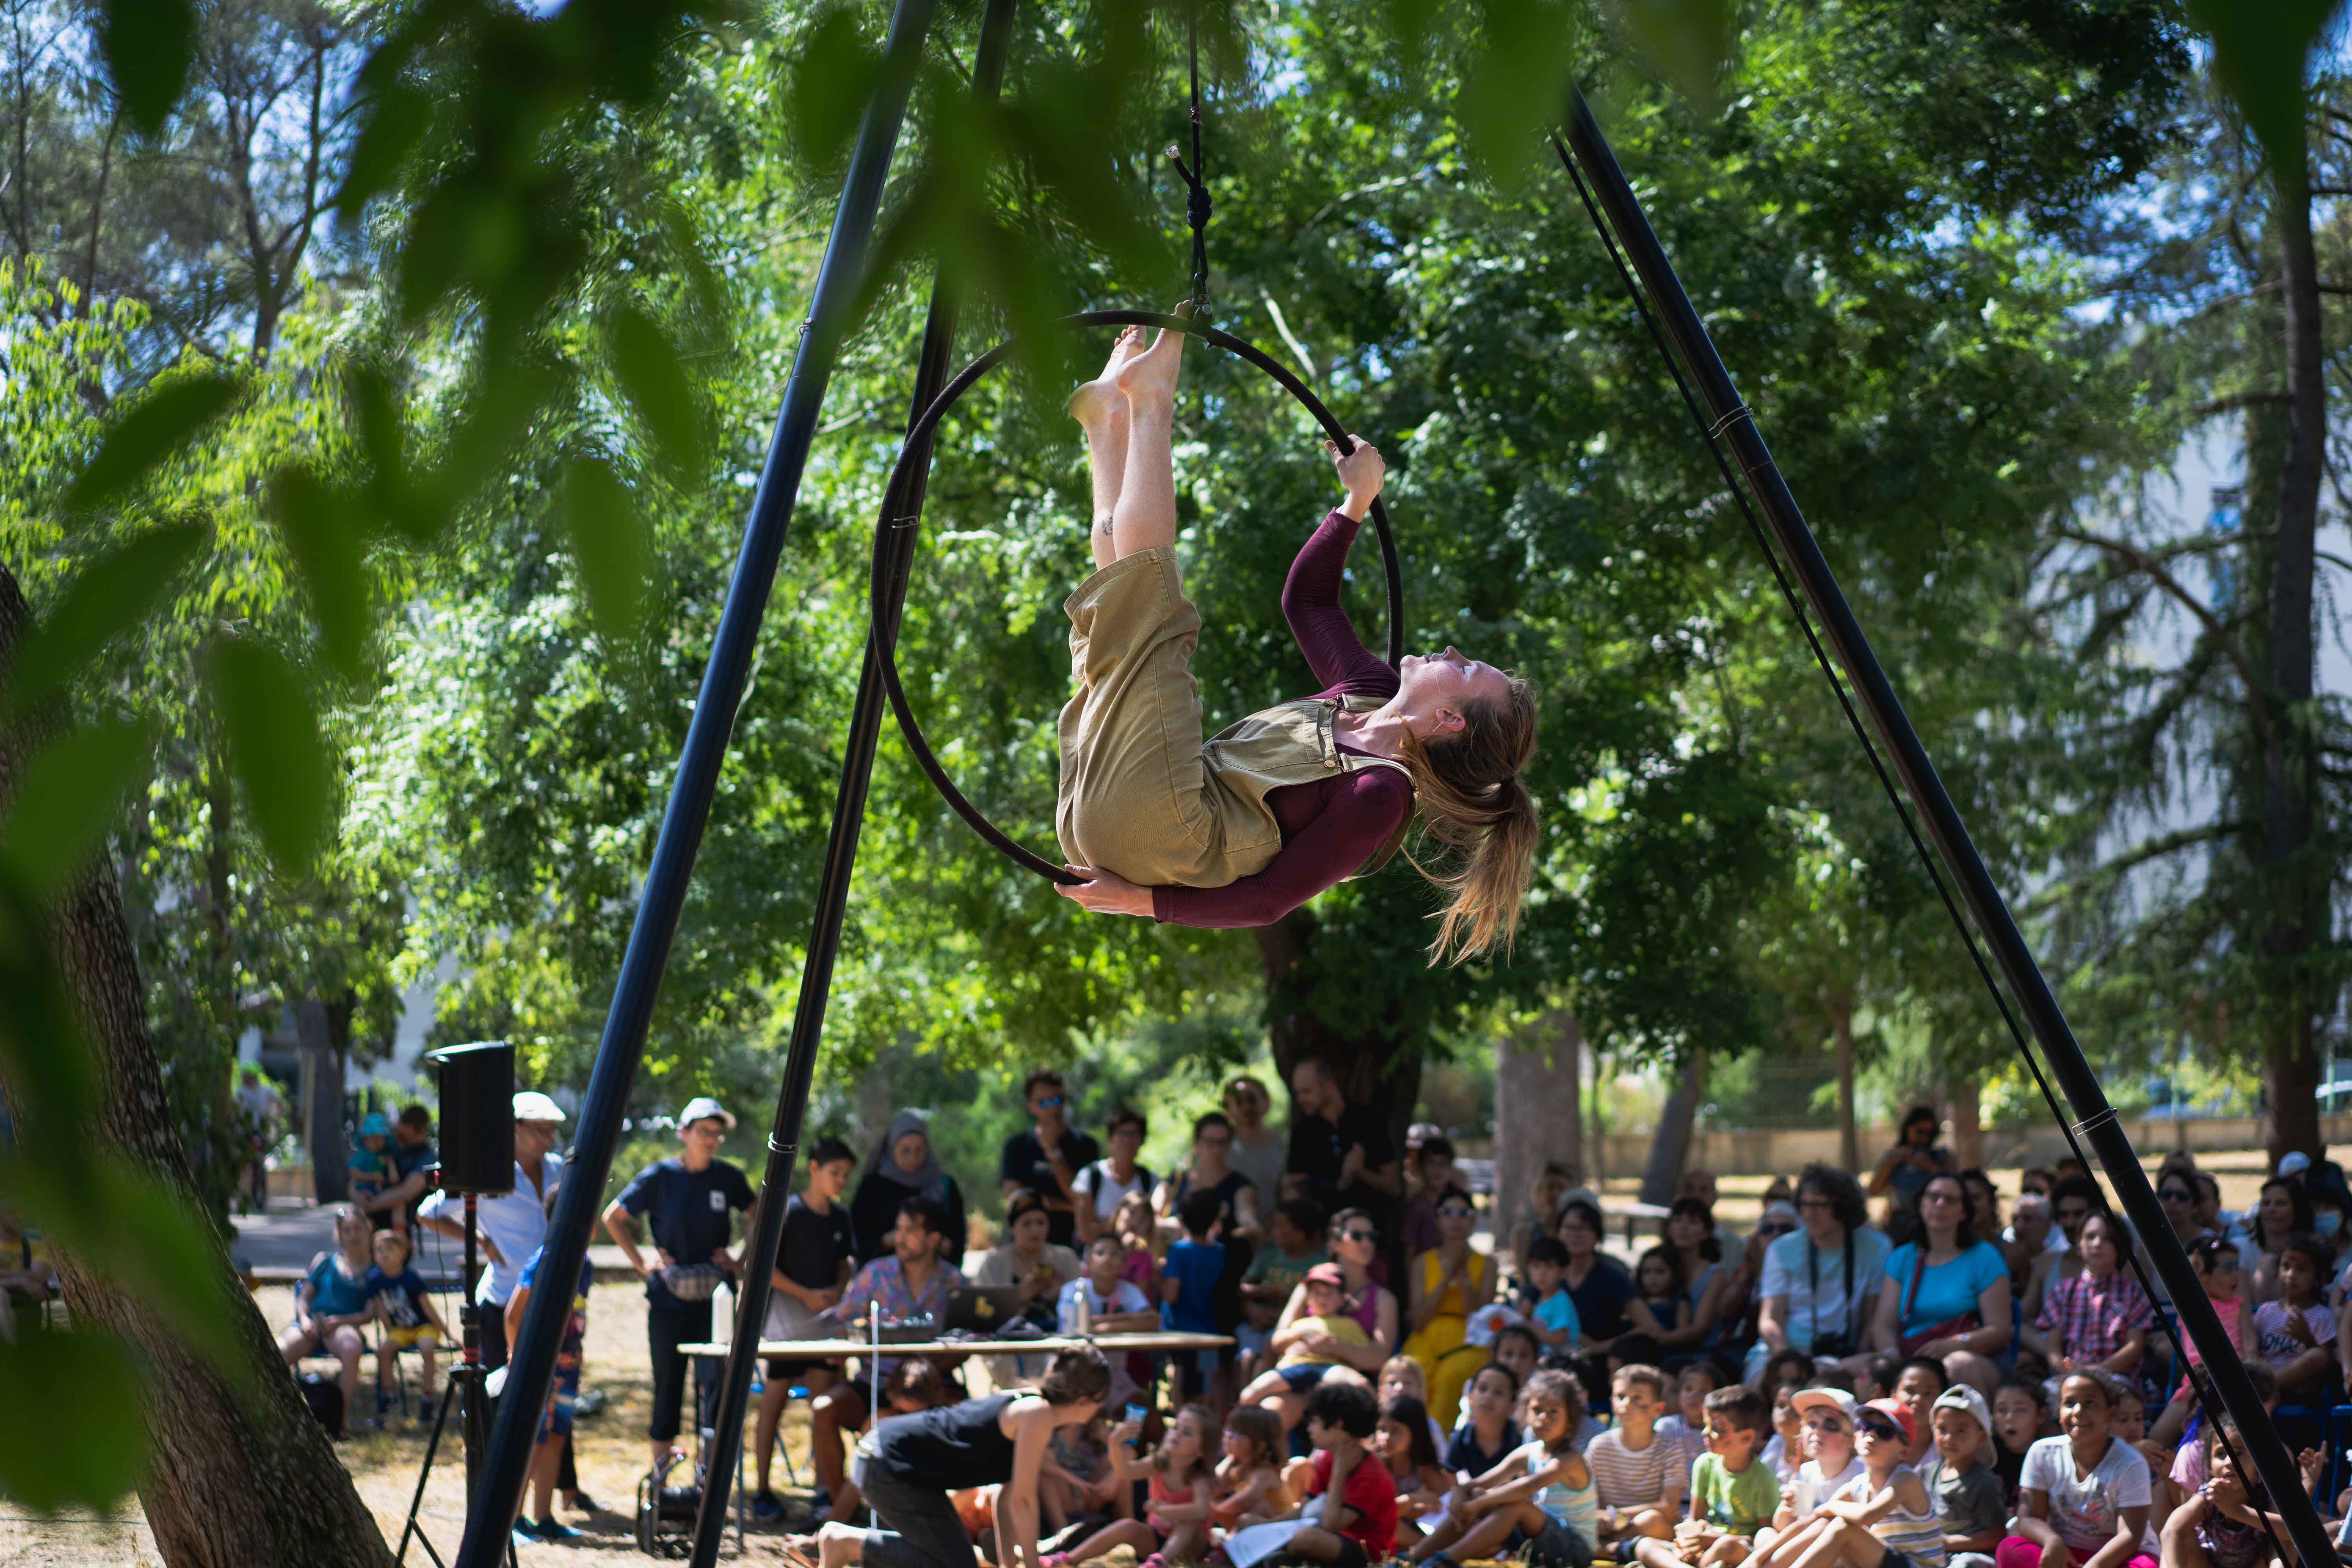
1141, 794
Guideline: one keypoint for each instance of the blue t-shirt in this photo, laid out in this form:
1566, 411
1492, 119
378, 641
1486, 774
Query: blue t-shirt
1196, 1267
402, 1297
1557, 1311
333, 1293
686, 1211
1945, 1290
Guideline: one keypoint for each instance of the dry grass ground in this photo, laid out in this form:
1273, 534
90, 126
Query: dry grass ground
612, 1449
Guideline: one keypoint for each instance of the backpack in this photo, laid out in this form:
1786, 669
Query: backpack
324, 1396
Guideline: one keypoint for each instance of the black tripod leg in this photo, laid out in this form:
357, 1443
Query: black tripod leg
424, 1474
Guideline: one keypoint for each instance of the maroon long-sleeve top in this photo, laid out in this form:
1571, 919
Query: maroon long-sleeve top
1331, 826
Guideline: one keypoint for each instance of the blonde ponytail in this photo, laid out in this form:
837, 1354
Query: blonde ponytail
1471, 801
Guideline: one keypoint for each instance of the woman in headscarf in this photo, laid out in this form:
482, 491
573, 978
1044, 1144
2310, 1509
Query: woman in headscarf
902, 1166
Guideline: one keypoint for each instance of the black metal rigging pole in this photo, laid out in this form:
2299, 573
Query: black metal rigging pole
1948, 833
751, 1290
491, 1507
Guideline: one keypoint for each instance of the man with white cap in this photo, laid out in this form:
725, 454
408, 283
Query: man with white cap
511, 1227
690, 1202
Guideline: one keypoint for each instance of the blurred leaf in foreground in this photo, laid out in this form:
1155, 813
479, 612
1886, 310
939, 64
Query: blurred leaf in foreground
1685, 41
106, 598
610, 544
67, 800
275, 750
2259, 52
164, 422
149, 46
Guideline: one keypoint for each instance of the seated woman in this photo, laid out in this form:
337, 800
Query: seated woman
331, 1304
1945, 1294
1294, 798
1444, 1286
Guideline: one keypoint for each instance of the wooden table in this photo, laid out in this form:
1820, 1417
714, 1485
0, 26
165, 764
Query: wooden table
850, 1350
1633, 1214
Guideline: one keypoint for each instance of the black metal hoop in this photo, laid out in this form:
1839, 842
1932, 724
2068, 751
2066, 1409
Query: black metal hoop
919, 445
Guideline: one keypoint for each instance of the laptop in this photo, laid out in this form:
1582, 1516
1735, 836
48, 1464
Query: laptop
986, 1310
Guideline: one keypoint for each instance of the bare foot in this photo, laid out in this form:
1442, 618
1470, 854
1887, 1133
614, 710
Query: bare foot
1100, 399
1153, 373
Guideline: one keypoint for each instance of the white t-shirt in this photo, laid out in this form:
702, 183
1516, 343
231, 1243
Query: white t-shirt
516, 1221
1785, 1274
2084, 1509
1126, 1297
1108, 1191
1812, 1488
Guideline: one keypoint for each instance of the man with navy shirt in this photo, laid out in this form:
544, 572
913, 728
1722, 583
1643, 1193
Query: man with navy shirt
689, 1202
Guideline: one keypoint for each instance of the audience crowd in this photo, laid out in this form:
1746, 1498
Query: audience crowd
1884, 1368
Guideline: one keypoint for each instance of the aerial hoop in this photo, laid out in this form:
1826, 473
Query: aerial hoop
918, 444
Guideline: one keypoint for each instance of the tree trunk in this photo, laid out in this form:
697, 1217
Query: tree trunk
1670, 1148
1537, 1116
238, 1476
2295, 899
1373, 1070
1842, 1028
322, 1109
1964, 1110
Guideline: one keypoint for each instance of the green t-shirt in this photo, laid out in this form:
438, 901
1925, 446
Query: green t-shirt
1280, 1270
1741, 1504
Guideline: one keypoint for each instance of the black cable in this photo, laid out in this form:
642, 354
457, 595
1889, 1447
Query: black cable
1711, 433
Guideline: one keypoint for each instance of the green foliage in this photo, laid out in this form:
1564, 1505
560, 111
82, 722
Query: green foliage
2262, 53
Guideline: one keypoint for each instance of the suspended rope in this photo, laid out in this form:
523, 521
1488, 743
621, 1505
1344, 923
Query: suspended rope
1711, 433
1198, 207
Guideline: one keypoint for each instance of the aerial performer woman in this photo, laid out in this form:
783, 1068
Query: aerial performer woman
1243, 827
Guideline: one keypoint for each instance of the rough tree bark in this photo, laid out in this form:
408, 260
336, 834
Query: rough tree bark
1669, 1147
1537, 1110
235, 1477
2296, 899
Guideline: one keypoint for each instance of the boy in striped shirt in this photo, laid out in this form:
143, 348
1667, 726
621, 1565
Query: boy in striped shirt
1637, 1475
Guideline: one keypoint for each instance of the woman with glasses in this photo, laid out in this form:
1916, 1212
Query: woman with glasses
1444, 1286
1613, 1322
1821, 1282
1947, 1294
1354, 1242
1211, 1170
2176, 1191
1258, 1150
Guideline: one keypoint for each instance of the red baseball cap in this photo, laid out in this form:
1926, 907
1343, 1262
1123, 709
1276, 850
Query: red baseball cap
1904, 1421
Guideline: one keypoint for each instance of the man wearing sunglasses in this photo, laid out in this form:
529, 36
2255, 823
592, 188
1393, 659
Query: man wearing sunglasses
1048, 1157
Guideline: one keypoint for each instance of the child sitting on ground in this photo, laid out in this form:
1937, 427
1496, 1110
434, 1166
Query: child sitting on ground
1401, 1374
1076, 1487
1403, 1442
2084, 1494
1637, 1475
1248, 1487
1830, 1462
1733, 1495
1884, 1518
1289, 1250
1351, 1508
1485, 1432
1916, 1388
1785, 1453
1175, 1524
1687, 1427
1969, 1499
2016, 1425
1543, 1491
404, 1307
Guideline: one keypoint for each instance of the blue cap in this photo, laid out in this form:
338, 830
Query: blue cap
376, 1124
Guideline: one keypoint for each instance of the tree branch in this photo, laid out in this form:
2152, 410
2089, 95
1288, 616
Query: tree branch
2154, 570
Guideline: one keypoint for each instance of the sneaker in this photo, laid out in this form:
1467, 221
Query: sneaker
525, 1533
383, 1402
552, 1529
425, 1408
582, 1504
766, 1506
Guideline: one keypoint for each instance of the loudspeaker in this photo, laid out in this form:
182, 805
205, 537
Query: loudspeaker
477, 1117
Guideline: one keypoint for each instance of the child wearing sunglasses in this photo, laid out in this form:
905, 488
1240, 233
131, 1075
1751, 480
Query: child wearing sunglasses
1884, 1518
